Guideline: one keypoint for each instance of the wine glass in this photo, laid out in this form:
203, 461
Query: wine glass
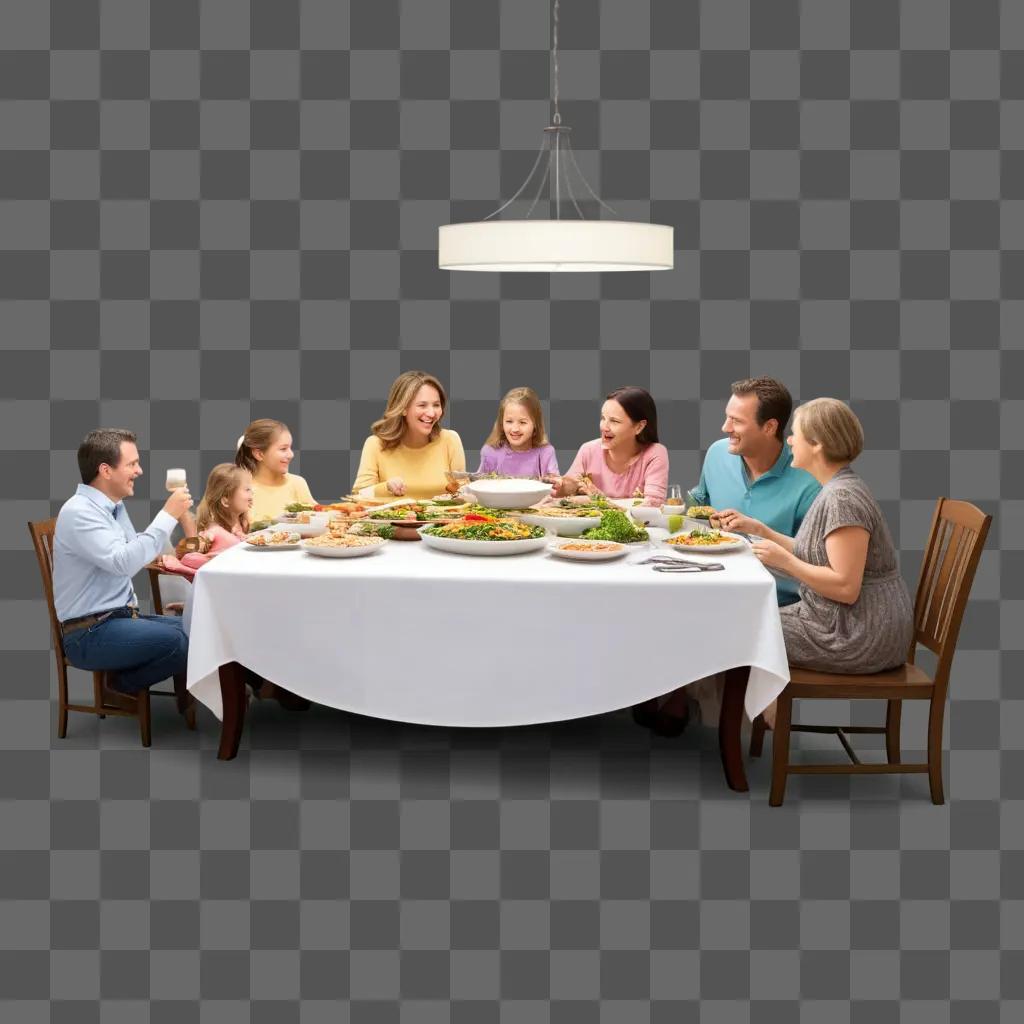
176, 479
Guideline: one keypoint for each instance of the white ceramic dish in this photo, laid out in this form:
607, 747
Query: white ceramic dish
290, 546
312, 529
736, 543
485, 547
355, 552
594, 554
564, 526
510, 493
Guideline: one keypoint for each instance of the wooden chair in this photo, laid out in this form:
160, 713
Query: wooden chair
955, 542
129, 706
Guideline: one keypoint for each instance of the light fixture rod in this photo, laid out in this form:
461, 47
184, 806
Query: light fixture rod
556, 117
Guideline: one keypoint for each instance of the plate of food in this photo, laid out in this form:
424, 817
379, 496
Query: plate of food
306, 524
343, 545
566, 521
697, 517
579, 550
273, 540
703, 540
415, 513
485, 535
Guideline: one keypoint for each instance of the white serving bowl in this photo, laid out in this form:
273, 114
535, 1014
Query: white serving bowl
564, 526
510, 493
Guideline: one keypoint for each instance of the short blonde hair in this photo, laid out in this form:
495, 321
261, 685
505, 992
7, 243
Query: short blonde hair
833, 425
391, 426
527, 398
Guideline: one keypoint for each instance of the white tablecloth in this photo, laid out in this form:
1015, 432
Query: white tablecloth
417, 635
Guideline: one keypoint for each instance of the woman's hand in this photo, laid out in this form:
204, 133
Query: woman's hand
396, 486
588, 487
737, 522
563, 486
770, 554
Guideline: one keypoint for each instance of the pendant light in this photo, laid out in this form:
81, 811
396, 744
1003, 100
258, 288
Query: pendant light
563, 244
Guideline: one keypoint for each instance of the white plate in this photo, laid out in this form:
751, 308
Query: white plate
302, 529
736, 544
509, 493
556, 548
272, 547
564, 526
485, 547
365, 549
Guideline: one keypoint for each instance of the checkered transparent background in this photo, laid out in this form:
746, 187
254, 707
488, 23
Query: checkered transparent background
216, 210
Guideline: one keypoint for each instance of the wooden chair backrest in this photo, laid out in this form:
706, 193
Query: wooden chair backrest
951, 557
42, 540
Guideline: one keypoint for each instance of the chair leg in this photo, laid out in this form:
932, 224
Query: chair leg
62, 698
184, 701
757, 732
780, 749
935, 715
145, 723
893, 713
98, 681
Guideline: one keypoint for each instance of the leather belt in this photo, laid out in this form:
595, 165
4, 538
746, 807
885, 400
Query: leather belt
88, 621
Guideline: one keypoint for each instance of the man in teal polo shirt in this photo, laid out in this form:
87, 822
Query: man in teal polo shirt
749, 474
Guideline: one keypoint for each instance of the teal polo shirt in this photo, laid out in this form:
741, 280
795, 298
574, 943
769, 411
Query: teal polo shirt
780, 498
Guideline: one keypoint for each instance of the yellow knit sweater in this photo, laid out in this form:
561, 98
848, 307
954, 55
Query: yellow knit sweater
422, 469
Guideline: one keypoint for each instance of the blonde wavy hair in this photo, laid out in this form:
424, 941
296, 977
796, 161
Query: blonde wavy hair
222, 483
527, 398
833, 425
391, 426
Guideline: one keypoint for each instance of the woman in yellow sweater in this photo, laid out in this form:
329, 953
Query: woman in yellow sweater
265, 449
407, 453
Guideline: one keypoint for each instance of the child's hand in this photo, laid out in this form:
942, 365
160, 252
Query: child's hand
396, 486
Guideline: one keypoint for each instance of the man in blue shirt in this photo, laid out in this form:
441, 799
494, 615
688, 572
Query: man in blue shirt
96, 552
749, 474
746, 475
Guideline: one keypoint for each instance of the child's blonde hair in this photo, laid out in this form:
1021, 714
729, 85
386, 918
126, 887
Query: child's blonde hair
527, 398
222, 483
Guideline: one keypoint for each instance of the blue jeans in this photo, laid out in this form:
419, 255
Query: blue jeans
140, 652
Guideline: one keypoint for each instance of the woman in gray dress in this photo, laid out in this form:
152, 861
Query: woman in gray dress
854, 614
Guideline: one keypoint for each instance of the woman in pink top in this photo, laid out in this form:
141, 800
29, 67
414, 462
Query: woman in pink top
626, 461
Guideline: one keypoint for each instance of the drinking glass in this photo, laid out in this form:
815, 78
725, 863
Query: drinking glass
675, 495
176, 479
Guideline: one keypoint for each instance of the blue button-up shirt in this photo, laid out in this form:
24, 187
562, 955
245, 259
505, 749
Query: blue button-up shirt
96, 552
779, 498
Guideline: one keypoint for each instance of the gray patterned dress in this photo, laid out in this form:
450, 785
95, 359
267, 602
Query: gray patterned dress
874, 632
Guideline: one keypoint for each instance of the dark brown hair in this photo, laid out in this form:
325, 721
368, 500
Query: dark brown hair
258, 437
101, 447
638, 405
774, 402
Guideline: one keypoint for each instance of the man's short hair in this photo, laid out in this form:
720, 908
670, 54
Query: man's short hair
774, 402
99, 447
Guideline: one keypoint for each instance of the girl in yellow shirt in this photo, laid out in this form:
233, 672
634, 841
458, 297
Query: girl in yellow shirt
408, 453
265, 449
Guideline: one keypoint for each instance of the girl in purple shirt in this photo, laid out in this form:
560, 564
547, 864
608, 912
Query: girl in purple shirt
518, 446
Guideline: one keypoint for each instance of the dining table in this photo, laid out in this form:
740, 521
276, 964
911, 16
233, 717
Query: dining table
413, 634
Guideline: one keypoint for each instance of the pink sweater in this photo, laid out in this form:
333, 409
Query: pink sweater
648, 472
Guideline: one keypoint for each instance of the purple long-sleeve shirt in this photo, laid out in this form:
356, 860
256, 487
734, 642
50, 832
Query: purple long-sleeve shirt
532, 462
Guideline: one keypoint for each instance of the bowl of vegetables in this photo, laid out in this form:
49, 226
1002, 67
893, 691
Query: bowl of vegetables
615, 526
